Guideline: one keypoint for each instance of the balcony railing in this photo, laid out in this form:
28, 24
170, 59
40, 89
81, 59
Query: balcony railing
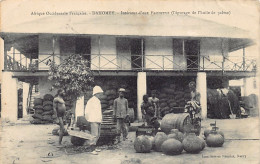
143, 63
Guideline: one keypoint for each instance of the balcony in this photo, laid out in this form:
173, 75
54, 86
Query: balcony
113, 62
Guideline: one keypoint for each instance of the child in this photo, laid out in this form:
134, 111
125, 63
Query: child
148, 110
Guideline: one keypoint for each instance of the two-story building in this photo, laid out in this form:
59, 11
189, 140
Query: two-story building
145, 51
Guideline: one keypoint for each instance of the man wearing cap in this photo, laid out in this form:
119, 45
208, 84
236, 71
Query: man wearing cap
93, 112
120, 111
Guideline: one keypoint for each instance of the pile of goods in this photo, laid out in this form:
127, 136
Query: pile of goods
172, 144
43, 110
48, 108
108, 130
173, 98
177, 136
222, 103
110, 88
38, 108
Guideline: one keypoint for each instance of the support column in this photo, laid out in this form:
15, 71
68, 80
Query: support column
2, 54
141, 90
9, 97
26, 87
79, 109
202, 89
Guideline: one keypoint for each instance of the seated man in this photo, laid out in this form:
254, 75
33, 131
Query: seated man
195, 97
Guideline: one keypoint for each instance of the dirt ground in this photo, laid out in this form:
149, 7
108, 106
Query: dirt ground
25, 143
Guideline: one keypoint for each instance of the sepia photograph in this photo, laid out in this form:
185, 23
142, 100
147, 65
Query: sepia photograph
129, 82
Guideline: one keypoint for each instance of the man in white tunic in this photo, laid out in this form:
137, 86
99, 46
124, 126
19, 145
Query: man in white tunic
93, 112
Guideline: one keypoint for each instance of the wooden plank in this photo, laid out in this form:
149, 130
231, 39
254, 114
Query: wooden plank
81, 134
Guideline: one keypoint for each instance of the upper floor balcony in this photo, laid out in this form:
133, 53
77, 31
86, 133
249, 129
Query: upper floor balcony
139, 63
112, 53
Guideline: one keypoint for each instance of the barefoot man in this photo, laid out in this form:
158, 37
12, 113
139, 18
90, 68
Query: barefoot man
59, 109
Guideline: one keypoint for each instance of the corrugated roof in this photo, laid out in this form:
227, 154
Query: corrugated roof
129, 25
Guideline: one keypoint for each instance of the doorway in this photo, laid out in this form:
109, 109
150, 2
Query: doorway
192, 49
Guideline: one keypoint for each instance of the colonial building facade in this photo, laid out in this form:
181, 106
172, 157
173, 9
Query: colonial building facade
143, 48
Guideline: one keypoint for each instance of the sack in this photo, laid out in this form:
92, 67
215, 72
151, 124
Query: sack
36, 121
37, 101
38, 107
47, 103
162, 105
48, 108
37, 116
47, 118
39, 111
48, 97
48, 112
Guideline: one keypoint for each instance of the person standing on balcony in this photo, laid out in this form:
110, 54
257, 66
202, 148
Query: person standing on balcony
120, 112
155, 101
59, 109
93, 113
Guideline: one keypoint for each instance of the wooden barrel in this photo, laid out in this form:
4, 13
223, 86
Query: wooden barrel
174, 121
131, 113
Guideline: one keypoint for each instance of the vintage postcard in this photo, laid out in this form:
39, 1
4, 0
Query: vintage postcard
129, 82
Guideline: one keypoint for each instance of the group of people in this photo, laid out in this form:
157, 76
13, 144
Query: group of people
93, 112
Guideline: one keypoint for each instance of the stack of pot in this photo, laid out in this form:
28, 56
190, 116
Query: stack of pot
173, 98
47, 108
38, 111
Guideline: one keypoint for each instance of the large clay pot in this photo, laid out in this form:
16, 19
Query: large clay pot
208, 131
159, 138
192, 143
203, 143
179, 135
151, 138
214, 139
55, 131
142, 144
172, 147
174, 121
172, 135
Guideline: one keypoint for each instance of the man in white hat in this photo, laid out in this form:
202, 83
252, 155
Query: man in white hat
93, 112
120, 111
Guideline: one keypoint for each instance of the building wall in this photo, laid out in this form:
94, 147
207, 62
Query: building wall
158, 53
45, 87
46, 48
105, 45
211, 49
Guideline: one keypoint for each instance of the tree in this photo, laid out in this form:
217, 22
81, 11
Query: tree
73, 75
